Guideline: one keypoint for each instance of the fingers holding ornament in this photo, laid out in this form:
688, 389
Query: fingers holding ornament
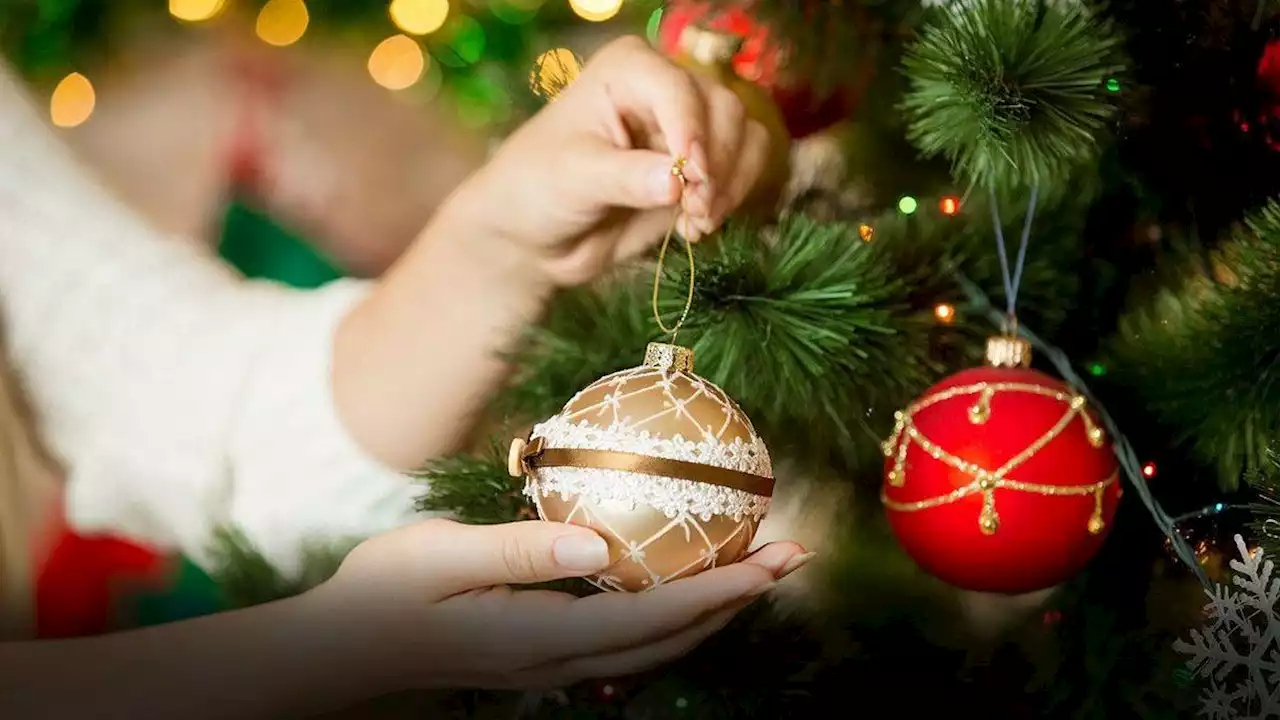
616, 459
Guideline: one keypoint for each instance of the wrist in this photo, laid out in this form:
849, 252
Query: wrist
471, 231
380, 635
347, 647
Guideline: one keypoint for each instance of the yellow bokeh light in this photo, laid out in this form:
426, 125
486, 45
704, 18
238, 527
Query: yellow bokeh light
397, 62
596, 10
283, 22
195, 10
554, 71
73, 101
419, 17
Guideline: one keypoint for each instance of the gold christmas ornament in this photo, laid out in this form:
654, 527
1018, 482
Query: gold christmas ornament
664, 465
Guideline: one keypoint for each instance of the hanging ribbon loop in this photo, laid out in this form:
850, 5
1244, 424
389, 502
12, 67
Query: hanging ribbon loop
677, 169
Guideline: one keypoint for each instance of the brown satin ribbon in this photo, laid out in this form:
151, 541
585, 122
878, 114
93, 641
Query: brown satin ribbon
537, 456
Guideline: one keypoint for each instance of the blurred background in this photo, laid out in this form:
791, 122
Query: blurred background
307, 139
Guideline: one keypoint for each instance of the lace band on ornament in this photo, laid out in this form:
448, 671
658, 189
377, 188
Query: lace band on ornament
671, 496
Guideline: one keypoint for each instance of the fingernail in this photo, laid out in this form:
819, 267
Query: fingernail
796, 563
698, 162
586, 553
687, 229
757, 592
662, 182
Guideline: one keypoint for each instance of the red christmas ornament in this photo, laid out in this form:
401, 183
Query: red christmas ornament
999, 479
761, 60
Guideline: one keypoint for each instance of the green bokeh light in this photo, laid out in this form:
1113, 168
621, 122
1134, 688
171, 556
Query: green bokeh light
1097, 369
907, 205
514, 13
481, 99
464, 43
655, 23
1113, 85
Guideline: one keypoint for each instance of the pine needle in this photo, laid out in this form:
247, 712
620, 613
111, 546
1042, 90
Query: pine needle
1012, 92
1206, 357
248, 578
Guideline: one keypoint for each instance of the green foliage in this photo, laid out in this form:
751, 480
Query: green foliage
1011, 91
587, 334
248, 578
809, 329
1205, 356
476, 488
929, 250
805, 325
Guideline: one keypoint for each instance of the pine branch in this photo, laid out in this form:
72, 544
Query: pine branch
587, 334
248, 578
809, 329
1012, 92
475, 489
1206, 355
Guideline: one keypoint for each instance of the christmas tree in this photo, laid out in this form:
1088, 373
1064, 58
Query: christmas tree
1128, 151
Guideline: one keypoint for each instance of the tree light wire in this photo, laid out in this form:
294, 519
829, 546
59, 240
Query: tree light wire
1128, 459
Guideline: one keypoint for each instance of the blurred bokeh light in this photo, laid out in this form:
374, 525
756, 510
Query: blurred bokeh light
397, 63
283, 22
73, 101
419, 17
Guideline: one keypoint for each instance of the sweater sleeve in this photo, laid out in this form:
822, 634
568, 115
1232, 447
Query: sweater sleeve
179, 397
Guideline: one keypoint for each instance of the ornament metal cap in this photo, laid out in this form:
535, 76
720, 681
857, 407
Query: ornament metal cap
1008, 351
708, 46
664, 356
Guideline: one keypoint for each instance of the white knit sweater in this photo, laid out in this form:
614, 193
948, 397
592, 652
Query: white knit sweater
178, 396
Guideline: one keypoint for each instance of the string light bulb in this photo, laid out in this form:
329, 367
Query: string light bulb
283, 22
1149, 470
397, 62
553, 72
419, 17
72, 102
596, 10
907, 205
195, 10
945, 312
949, 205
866, 232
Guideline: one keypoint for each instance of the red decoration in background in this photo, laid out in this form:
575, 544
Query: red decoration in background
79, 585
258, 85
1041, 539
1266, 120
762, 60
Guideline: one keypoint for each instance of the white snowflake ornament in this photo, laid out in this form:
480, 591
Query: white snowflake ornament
1238, 650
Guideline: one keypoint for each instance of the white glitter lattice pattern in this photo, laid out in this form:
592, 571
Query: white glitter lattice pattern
1238, 650
681, 521
678, 391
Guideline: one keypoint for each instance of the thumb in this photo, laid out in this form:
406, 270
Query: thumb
471, 557
636, 179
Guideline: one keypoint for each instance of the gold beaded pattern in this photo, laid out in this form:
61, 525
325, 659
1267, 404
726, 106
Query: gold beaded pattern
985, 480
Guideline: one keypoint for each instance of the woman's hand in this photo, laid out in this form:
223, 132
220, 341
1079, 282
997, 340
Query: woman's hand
584, 184
430, 604
588, 182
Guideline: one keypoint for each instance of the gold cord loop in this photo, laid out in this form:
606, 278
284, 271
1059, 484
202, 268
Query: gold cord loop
677, 170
